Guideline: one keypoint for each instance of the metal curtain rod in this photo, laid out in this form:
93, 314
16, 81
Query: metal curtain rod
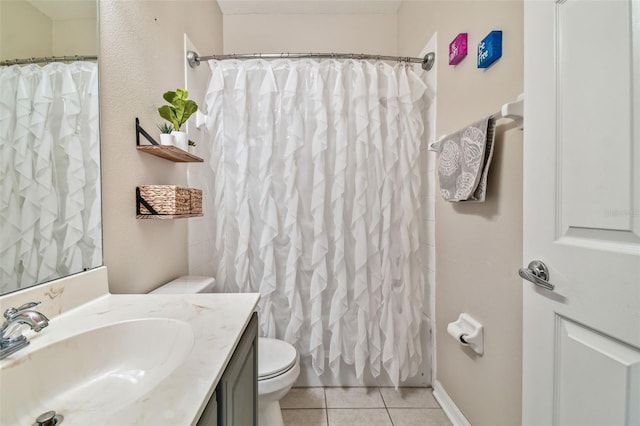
48, 59
427, 62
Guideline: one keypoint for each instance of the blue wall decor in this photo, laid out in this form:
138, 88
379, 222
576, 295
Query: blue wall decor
490, 49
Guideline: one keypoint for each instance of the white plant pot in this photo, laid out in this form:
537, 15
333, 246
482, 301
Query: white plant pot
192, 150
181, 140
166, 139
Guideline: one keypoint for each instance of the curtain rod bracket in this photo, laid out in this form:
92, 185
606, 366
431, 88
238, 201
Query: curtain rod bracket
193, 58
428, 61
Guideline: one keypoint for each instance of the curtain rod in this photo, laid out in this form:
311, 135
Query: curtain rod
48, 59
427, 62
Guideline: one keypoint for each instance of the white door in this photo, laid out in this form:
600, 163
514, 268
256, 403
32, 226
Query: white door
581, 340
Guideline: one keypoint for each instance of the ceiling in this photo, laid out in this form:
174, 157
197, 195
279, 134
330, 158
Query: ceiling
287, 7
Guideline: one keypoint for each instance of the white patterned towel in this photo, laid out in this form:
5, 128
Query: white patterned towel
465, 157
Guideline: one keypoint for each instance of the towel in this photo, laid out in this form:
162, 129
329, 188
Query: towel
465, 157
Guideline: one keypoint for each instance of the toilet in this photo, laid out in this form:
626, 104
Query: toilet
278, 369
278, 361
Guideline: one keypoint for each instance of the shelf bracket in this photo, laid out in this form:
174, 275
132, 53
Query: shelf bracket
142, 201
147, 136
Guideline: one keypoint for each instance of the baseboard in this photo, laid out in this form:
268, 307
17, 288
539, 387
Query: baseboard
448, 406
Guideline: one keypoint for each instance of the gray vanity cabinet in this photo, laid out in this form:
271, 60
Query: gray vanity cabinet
209, 416
236, 396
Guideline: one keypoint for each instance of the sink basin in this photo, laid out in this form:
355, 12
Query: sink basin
99, 370
120, 359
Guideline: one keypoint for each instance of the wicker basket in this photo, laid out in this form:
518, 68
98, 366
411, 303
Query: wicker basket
165, 199
196, 201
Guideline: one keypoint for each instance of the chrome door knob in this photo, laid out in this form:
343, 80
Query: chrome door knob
538, 273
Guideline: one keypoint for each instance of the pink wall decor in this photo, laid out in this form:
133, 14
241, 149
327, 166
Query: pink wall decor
458, 49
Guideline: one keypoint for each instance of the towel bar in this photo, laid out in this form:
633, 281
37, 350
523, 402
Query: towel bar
512, 110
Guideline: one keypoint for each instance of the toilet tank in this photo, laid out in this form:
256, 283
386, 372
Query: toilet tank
187, 284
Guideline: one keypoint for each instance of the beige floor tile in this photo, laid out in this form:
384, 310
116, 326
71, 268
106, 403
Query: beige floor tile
353, 398
303, 398
358, 417
418, 417
305, 417
409, 398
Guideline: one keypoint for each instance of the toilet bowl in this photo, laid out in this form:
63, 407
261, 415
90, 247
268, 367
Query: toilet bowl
278, 369
278, 361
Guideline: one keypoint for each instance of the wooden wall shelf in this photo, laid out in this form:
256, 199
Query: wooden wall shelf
172, 153
168, 152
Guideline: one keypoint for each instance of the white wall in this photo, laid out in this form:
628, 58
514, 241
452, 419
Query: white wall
25, 32
479, 246
141, 57
351, 33
74, 37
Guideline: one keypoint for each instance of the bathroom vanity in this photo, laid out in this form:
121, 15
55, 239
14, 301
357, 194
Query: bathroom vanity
133, 359
236, 399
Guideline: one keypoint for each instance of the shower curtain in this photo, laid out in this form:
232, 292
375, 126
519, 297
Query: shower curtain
49, 172
317, 205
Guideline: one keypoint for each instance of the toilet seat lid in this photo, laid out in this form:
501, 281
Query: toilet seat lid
274, 357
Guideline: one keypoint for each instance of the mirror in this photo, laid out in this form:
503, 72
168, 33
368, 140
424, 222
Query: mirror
50, 205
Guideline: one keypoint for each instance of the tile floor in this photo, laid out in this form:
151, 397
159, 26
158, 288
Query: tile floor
370, 406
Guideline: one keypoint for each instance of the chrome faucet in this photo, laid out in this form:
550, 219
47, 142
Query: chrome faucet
11, 338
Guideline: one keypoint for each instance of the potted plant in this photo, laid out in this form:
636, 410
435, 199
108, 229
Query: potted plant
192, 147
166, 138
178, 113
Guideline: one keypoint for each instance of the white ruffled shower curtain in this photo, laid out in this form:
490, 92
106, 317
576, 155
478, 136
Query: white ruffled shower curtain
317, 205
49, 172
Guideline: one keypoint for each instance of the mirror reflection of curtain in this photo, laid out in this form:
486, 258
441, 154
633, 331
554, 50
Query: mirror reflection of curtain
49, 172
317, 205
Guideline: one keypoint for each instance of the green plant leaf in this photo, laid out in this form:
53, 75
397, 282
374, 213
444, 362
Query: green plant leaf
169, 97
189, 108
169, 114
181, 110
165, 128
182, 93
179, 105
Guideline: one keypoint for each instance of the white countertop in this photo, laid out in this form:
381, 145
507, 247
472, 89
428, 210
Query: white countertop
216, 320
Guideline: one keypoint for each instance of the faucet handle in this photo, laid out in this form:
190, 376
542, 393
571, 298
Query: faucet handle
28, 305
12, 312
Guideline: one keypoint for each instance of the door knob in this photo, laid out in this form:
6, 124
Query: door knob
538, 273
